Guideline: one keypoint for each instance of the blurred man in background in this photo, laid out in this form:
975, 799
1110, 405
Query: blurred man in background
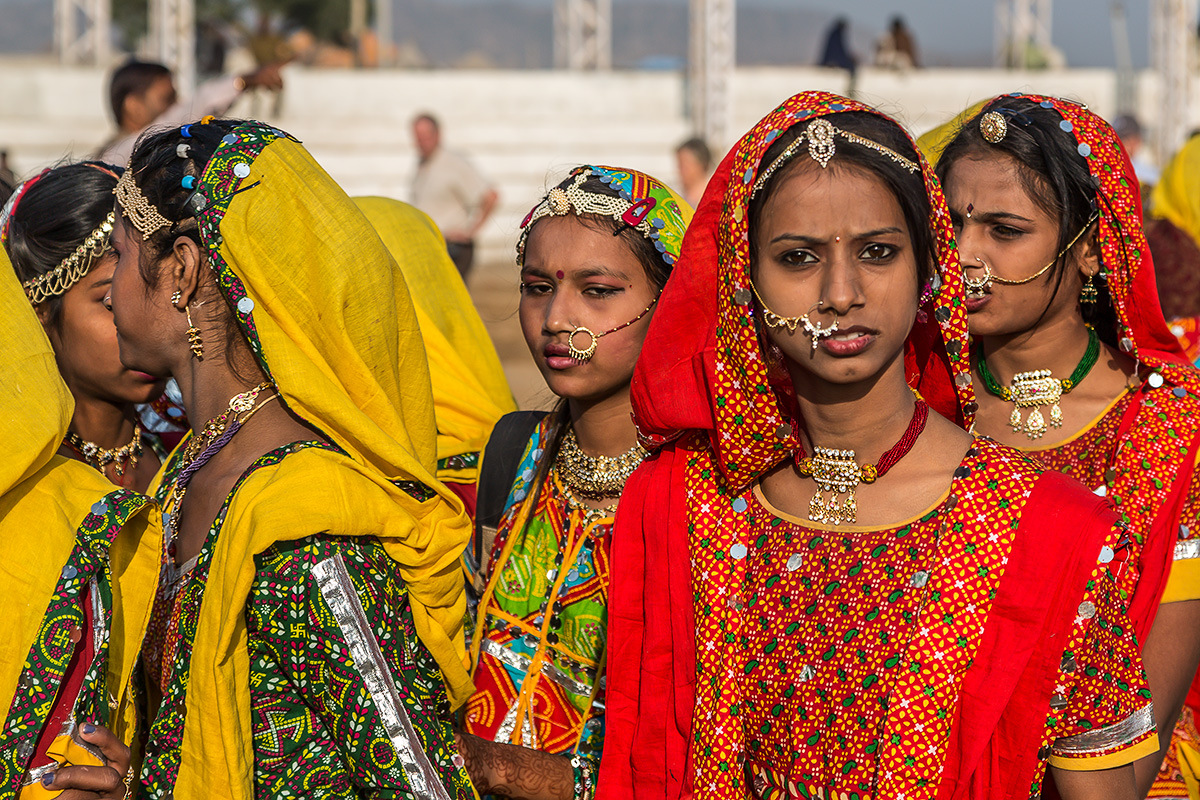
695, 166
451, 191
142, 94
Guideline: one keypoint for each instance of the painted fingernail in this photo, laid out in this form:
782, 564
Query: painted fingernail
88, 728
48, 779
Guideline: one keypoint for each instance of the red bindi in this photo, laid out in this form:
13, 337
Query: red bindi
560, 274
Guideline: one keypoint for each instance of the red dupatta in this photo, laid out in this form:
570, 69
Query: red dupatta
1150, 480
702, 371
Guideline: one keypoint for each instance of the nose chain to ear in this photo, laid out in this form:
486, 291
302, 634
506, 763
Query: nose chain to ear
815, 331
585, 355
982, 284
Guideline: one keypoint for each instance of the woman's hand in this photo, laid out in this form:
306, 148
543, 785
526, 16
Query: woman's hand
81, 782
509, 770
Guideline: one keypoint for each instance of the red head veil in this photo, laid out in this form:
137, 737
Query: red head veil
1125, 255
702, 367
702, 371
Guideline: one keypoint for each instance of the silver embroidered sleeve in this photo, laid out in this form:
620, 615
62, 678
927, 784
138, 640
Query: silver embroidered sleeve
1102, 740
1187, 549
338, 590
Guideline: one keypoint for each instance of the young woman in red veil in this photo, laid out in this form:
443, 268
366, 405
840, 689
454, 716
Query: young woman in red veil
824, 585
1075, 365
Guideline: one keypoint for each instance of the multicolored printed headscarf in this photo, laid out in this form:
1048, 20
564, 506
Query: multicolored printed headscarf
702, 370
702, 367
643, 202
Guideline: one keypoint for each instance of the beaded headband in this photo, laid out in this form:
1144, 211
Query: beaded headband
72, 268
641, 202
821, 136
136, 208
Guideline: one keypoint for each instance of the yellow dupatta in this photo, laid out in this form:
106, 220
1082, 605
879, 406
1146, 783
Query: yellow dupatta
1176, 196
45, 502
328, 316
470, 392
933, 142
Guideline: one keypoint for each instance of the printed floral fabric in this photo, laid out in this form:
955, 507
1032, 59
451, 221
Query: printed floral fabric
1154, 421
62, 632
317, 728
317, 731
539, 674
855, 642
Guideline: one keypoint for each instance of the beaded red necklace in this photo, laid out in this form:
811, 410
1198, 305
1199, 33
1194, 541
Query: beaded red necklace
837, 473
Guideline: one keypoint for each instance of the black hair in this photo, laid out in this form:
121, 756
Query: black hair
907, 187
699, 150
159, 171
1053, 174
132, 78
54, 216
425, 116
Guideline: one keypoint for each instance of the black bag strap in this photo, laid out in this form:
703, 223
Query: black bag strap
502, 456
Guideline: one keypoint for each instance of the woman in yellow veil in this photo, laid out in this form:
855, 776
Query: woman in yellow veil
77, 588
470, 392
307, 633
1173, 234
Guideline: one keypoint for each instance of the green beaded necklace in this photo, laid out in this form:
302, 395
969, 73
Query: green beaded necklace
1038, 388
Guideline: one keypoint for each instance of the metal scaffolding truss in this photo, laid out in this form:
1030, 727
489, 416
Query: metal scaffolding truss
711, 59
583, 34
1022, 32
82, 31
1171, 46
172, 39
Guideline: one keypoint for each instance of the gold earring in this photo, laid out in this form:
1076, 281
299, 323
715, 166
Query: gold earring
1088, 295
175, 298
193, 336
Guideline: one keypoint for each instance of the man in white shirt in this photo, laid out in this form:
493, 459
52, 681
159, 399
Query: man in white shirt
451, 191
142, 94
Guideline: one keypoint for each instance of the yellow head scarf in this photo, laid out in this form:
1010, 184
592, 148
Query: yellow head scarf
45, 502
1176, 196
933, 142
328, 315
470, 392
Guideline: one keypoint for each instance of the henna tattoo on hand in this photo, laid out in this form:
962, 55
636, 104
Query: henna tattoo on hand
509, 770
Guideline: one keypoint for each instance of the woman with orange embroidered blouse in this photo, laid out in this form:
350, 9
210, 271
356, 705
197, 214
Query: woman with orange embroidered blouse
1075, 365
823, 585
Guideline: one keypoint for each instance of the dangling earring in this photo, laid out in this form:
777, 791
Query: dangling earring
193, 336
175, 298
1088, 295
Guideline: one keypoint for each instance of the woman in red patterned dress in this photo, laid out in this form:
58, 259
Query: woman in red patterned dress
1074, 363
821, 588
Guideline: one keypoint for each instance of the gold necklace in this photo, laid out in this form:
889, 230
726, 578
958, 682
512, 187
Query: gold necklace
595, 477
239, 404
212, 430
100, 457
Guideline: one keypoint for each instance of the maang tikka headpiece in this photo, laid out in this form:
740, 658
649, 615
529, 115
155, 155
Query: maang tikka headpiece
821, 136
136, 208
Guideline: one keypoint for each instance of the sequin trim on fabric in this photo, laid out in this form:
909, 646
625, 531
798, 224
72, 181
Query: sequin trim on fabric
342, 598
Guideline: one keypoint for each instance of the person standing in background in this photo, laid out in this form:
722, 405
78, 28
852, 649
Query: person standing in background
695, 166
142, 93
452, 191
897, 49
